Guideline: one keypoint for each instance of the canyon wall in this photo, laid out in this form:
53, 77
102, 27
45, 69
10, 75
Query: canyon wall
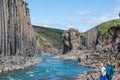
93, 39
16, 33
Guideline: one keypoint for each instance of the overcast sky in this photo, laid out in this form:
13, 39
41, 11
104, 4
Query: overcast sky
80, 14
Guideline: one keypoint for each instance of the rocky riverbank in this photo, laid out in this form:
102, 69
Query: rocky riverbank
11, 63
94, 75
91, 59
84, 58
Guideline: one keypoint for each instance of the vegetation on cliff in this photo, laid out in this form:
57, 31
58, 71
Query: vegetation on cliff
104, 26
48, 36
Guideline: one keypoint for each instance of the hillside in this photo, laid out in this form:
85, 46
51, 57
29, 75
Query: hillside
51, 36
104, 26
48, 36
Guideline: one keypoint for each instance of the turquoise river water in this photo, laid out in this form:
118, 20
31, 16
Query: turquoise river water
49, 69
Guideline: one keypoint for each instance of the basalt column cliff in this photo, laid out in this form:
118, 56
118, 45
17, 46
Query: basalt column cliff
18, 45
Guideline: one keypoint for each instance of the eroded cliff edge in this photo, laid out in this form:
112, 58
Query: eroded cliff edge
18, 44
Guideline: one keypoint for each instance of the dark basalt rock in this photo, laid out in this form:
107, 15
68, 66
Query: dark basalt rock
71, 40
16, 33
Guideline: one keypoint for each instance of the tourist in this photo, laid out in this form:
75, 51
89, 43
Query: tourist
109, 70
103, 72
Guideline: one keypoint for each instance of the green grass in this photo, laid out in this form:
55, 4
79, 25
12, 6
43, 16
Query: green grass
42, 42
52, 36
83, 34
104, 26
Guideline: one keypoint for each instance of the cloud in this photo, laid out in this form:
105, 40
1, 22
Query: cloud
97, 20
83, 12
44, 23
90, 22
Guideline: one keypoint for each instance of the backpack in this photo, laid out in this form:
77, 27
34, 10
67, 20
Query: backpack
109, 70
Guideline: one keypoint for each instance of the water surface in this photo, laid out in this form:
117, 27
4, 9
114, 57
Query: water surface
49, 69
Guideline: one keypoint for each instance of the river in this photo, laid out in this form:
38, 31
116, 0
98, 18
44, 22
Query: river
49, 69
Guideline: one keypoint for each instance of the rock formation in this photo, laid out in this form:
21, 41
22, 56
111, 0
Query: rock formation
16, 33
99, 48
91, 37
71, 40
94, 75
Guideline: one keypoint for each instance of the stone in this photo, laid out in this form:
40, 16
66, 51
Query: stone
91, 38
17, 37
71, 40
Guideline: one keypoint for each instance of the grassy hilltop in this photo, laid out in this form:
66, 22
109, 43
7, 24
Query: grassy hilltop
104, 26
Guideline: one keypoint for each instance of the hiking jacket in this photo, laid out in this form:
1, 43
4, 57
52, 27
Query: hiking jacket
109, 70
103, 71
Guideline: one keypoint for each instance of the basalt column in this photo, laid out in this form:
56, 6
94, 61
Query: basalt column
16, 33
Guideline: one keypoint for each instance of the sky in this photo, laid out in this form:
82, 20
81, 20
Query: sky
65, 14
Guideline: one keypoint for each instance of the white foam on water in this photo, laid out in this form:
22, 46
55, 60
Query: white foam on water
29, 72
31, 75
47, 70
52, 60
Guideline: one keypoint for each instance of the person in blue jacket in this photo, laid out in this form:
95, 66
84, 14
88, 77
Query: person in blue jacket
109, 70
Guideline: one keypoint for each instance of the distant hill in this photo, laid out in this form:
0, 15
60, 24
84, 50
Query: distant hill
48, 36
51, 36
104, 26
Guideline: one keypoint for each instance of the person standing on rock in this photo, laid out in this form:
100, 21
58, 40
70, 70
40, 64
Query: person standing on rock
103, 72
109, 70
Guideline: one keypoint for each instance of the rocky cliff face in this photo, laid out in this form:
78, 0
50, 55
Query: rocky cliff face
99, 48
71, 40
114, 33
91, 37
16, 32
110, 38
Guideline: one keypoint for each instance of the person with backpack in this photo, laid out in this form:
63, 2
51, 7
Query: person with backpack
103, 72
109, 70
